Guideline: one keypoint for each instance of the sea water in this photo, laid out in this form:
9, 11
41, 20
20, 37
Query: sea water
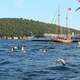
38, 61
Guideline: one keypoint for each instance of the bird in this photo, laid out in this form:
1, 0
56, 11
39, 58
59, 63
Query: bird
44, 50
15, 47
78, 44
61, 61
23, 49
12, 49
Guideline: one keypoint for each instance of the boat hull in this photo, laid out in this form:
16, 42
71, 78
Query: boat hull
62, 40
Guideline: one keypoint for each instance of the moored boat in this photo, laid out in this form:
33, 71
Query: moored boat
61, 37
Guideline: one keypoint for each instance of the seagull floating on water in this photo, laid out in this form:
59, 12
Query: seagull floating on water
14, 48
43, 50
23, 49
78, 44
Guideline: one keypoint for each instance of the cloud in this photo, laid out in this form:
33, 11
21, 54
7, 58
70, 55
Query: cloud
19, 3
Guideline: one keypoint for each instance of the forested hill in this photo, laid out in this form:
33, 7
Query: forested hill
25, 27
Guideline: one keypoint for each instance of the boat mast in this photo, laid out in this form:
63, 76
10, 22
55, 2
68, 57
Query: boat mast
67, 19
58, 21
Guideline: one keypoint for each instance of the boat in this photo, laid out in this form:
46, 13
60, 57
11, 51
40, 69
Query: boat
62, 40
62, 37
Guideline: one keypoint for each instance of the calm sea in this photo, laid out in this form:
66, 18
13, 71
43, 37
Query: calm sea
37, 60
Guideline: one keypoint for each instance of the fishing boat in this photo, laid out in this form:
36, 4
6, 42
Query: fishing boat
62, 37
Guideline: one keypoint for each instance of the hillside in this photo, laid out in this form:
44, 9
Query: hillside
25, 27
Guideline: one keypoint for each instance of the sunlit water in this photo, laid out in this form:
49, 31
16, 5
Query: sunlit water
38, 60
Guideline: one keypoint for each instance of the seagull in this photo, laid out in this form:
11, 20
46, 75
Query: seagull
43, 50
61, 61
15, 47
78, 44
23, 49
12, 49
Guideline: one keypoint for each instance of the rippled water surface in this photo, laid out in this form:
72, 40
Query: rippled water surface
38, 60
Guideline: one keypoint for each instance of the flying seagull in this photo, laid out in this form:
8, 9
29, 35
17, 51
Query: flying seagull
61, 61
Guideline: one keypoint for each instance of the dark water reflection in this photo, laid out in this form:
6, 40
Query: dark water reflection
38, 60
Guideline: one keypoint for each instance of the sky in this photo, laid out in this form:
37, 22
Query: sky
42, 10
